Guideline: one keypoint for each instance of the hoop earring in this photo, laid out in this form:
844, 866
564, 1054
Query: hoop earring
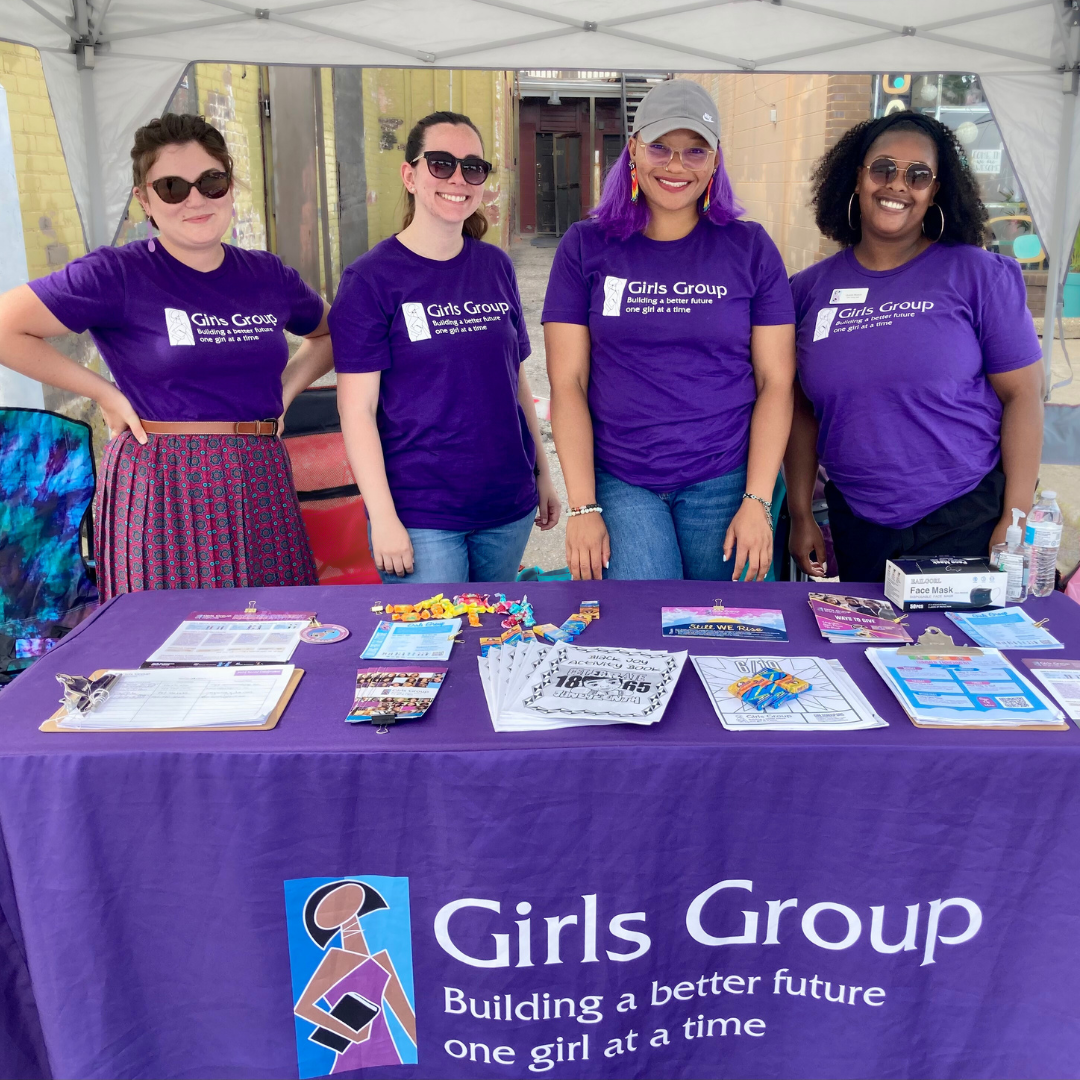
708, 196
633, 181
851, 224
941, 231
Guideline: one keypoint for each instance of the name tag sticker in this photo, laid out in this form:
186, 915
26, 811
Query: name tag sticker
848, 296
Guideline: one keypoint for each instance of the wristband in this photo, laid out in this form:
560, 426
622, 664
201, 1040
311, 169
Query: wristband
589, 508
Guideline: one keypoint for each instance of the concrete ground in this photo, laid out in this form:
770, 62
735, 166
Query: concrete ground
532, 259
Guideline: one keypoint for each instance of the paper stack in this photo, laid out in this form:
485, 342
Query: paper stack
531, 687
832, 703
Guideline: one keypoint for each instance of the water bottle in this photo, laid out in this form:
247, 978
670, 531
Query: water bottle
1043, 538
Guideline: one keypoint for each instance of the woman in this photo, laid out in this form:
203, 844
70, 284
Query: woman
436, 411
195, 488
359, 986
670, 345
920, 372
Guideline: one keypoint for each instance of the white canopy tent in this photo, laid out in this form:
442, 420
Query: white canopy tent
112, 64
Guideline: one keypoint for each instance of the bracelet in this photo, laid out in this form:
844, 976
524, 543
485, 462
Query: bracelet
589, 508
763, 504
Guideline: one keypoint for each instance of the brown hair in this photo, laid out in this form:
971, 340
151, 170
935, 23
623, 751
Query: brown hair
476, 224
175, 129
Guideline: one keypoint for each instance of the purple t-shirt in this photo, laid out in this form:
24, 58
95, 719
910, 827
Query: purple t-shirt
895, 363
671, 385
449, 338
183, 344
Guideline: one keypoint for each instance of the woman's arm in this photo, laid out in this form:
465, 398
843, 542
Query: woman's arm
800, 474
772, 352
568, 361
24, 322
1021, 396
334, 966
311, 361
549, 506
358, 403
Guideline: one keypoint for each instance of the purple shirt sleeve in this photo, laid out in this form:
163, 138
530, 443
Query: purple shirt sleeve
359, 326
305, 302
88, 292
1003, 323
567, 298
772, 304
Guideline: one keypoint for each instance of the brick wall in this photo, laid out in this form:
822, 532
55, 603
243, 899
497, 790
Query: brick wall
51, 225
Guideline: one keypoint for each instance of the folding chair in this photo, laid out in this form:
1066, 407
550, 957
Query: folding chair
330, 501
47, 481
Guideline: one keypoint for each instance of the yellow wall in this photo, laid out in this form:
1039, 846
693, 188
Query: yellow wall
769, 162
394, 99
51, 225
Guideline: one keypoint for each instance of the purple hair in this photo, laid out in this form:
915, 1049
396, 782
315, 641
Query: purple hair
620, 217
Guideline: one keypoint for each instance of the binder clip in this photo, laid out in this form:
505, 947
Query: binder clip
250, 609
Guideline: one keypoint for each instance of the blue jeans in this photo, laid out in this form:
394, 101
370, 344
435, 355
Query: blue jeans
678, 534
444, 555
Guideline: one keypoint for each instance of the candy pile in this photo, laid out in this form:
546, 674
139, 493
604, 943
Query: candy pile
769, 689
586, 613
518, 613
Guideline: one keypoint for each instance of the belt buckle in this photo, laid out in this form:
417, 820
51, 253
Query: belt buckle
273, 422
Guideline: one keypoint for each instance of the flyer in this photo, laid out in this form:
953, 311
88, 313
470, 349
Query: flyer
1062, 679
431, 640
388, 695
221, 638
750, 624
1004, 628
842, 618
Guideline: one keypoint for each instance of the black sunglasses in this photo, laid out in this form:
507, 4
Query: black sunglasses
213, 184
442, 165
918, 175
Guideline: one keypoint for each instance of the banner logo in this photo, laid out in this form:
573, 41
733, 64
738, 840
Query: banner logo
350, 954
416, 322
179, 327
613, 293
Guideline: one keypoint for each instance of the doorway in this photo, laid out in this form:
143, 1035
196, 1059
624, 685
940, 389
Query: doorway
558, 182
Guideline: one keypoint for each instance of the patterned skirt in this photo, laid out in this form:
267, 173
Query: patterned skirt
198, 512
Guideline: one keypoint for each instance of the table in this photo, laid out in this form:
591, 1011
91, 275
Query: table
143, 928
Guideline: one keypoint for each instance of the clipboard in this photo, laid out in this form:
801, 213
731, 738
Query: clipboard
934, 644
52, 724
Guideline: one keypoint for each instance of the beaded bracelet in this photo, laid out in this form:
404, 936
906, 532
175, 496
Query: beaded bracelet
589, 508
763, 504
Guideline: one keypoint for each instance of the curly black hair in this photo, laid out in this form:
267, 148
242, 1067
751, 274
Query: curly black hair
835, 174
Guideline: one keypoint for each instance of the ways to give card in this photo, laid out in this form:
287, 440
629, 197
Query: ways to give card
265, 637
431, 640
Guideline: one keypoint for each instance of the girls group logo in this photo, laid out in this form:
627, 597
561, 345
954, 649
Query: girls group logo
350, 953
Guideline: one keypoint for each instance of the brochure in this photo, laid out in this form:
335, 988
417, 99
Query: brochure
1004, 628
843, 618
1062, 679
964, 691
760, 624
832, 703
431, 640
213, 640
388, 695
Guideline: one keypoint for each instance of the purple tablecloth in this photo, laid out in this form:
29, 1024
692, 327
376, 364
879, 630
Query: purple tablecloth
143, 900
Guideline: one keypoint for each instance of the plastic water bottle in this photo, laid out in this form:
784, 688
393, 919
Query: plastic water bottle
1043, 538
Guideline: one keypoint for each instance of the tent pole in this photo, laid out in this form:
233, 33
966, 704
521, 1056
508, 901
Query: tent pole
96, 234
1060, 243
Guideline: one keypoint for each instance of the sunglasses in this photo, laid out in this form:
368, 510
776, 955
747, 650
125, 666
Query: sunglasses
918, 175
213, 184
442, 166
694, 158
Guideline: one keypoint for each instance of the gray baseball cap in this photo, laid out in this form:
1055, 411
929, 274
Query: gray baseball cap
674, 104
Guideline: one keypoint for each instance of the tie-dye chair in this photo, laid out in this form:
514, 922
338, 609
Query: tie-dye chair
46, 486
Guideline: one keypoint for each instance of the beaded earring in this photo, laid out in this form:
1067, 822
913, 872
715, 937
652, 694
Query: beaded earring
633, 181
708, 196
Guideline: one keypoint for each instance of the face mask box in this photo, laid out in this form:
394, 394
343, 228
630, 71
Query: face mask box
944, 583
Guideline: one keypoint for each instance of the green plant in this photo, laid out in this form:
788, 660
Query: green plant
1074, 262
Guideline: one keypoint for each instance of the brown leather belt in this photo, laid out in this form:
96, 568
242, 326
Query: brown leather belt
210, 427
